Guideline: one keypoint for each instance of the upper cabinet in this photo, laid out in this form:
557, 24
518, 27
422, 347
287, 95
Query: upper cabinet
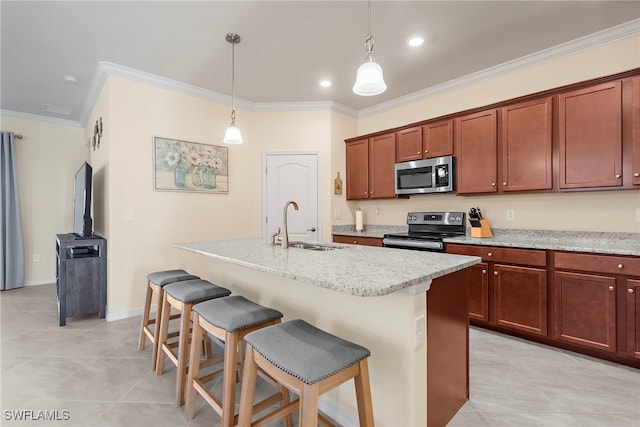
427, 141
370, 167
476, 150
635, 130
526, 146
590, 136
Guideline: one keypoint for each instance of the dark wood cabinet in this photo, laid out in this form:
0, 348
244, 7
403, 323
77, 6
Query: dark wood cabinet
633, 317
526, 146
476, 145
635, 130
590, 137
438, 139
357, 240
478, 291
508, 289
382, 159
427, 141
370, 167
357, 179
585, 310
520, 298
410, 144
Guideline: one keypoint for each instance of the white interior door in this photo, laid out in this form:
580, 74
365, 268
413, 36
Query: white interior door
291, 176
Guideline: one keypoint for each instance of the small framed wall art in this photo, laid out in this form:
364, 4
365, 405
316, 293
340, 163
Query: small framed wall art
190, 166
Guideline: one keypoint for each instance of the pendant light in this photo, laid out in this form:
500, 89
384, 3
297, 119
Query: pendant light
369, 80
232, 134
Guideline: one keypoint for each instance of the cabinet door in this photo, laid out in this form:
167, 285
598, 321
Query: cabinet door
585, 310
633, 318
476, 153
478, 290
410, 144
526, 146
438, 139
382, 159
357, 169
520, 298
590, 124
635, 109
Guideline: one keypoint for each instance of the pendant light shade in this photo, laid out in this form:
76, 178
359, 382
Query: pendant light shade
232, 134
369, 79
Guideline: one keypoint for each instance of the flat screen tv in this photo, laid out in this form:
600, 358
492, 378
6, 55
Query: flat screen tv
82, 222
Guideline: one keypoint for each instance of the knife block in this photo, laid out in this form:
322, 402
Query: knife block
483, 231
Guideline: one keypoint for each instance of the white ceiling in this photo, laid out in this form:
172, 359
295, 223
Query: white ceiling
286, 48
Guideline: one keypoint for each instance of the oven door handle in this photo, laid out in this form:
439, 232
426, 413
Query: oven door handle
402, 243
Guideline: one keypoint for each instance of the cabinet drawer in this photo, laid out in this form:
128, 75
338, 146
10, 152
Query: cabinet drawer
598, 263
503, 255
357, 240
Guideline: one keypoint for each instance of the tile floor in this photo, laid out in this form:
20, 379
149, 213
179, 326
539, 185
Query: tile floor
92, 369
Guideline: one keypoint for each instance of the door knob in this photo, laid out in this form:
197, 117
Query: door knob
311, 229
630, 290
636, 174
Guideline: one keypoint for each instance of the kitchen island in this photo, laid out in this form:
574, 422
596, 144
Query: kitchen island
409, 308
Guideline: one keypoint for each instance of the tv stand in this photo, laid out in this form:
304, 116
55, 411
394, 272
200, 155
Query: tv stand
81, 275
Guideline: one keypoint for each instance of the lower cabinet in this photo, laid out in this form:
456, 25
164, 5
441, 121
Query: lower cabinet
633, 318
585, 310
357, 240
478, 292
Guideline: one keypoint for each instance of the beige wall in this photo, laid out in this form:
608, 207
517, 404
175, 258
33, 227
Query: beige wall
47, 158
589, 211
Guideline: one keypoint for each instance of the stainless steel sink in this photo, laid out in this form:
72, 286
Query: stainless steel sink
313, 246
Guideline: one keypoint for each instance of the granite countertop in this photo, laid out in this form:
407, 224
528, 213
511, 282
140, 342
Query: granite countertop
352, 269
577, 241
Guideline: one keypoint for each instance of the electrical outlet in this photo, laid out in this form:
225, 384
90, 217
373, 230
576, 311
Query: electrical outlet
337, 214
511, 215
377, 211
420, 331
36, 257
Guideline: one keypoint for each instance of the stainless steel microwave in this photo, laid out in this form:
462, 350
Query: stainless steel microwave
435, 175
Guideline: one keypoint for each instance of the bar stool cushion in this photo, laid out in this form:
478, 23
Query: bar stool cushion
195, 291
235, 312
304, 351
162, 278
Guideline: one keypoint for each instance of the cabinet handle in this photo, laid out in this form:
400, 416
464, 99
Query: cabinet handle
490, 254
355, 242
419, 152
617, 176
611, 288
484, 271
630, 290
426, 151
493, 184
636, 174
495, 273
504, 183
620, 266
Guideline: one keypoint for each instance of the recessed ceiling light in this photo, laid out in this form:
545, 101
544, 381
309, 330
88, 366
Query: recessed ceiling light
72, 80
415, 41
325, 83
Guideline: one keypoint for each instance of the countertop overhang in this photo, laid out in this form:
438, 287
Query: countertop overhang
352, 269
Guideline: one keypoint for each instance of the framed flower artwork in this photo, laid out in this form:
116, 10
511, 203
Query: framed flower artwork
189, 166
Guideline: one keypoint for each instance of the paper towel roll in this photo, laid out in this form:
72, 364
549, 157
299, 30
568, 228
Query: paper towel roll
359, 226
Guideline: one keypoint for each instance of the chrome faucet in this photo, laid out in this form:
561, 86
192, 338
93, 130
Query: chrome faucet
285, 237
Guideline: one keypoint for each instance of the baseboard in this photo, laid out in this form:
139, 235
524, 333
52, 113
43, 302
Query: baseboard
40, 282
331, 410
126, 314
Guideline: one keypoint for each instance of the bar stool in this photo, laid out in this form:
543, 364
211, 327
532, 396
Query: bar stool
182, 296
155, 282
229, 320
308, 361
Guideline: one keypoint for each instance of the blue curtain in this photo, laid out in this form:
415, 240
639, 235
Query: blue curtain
11, 244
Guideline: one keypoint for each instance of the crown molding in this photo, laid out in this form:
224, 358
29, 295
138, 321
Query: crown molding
590, 41
39, 118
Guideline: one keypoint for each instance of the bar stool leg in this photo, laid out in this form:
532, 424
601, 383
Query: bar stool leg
145, 318
309, 405
194, 367
229, 380
363, 395
183, 349
247, 394
159, 318
164, 330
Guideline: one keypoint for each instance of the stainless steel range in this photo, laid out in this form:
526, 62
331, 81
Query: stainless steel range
427, 230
